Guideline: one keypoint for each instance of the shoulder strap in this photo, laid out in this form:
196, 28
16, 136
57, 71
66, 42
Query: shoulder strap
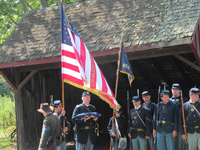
140, 117
196, 110
85, 108
117, 127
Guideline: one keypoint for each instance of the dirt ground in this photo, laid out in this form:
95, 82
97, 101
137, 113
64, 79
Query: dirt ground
102, 143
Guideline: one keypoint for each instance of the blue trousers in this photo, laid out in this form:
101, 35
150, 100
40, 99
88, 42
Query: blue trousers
87, 146
165, 141
62, 146
139, 143
150, 141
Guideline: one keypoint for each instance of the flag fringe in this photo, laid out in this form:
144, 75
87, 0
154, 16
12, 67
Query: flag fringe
96, 92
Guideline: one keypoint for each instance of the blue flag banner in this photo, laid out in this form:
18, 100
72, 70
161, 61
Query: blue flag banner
125, 66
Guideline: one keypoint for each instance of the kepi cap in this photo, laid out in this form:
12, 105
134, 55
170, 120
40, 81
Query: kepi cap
44, 107
194, 91
135, 99
164, 92
145, 93
176, 86
56, 103
86, 93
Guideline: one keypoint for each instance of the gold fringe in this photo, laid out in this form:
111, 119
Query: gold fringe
96, 92
132, 77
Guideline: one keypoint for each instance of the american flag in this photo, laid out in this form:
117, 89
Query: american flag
78, 66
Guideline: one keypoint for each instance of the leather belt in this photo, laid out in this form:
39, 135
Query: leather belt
195, 127
85, 128
163, 122
138, 129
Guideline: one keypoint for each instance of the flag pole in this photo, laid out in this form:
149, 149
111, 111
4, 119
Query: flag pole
63, 95
116, 85
63, 102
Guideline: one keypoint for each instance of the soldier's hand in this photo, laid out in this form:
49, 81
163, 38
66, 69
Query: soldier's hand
65, 129
129, 135
63, 112
174, 134
86, 118
113, 135
95, 119
39, 148
154, 133
184, 137
147, 137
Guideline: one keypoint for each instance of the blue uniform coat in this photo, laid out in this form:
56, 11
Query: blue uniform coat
172, 109
82, 134
192, 121
137, 123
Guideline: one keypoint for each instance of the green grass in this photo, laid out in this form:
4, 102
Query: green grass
7, 123
6, 144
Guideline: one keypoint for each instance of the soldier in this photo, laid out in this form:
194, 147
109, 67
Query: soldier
85, 126
192, 119
60, 113
151, 106
167, 122
121, 125
176, 95
177, 99
51, 128
141, 126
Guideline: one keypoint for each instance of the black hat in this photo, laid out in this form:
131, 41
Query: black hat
164, 92
120, 109
135, 99
56, 103
194, 91
44, 107
145, 93
86, 93
176, 86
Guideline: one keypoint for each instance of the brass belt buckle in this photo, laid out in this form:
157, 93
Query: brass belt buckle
196, 127
87, 127
163, 121
139, 129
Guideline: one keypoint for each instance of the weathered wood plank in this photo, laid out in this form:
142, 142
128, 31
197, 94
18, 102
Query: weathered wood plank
27, 79
187, 62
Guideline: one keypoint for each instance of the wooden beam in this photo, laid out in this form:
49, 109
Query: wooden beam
187, 62
160, 70
26, 79
147, 54
182, 71
39, 67
8, 79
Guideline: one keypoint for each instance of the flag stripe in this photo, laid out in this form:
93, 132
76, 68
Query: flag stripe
68, 54
71, 78
70, 66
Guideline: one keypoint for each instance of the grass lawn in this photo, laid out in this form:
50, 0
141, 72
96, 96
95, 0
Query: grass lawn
6, 144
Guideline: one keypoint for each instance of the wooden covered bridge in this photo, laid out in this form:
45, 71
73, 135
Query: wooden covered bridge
161, 39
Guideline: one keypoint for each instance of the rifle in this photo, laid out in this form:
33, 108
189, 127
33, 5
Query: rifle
138, 92
184, 124
51, 99
154, 141
129, 118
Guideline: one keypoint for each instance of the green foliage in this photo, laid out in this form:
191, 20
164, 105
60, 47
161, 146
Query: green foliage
7, 112
5, 88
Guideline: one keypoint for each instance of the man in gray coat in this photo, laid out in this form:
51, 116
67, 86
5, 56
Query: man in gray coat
51, 129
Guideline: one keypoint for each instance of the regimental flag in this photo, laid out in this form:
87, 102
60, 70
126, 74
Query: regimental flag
125, 66
78, 66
